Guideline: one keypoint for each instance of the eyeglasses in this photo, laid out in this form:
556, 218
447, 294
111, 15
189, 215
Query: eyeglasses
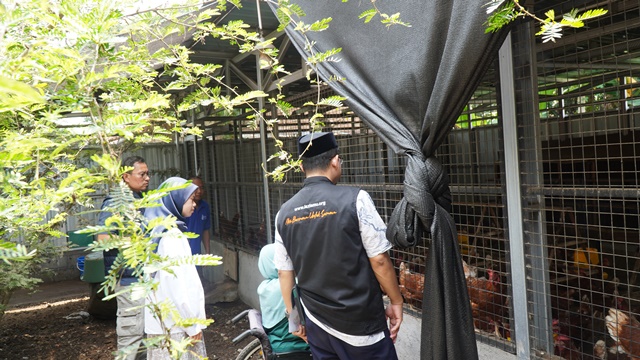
143, 175
339, 159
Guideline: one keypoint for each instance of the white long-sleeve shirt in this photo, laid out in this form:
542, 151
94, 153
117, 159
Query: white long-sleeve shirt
183, 287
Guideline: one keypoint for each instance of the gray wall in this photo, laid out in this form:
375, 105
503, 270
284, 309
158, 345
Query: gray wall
249, 280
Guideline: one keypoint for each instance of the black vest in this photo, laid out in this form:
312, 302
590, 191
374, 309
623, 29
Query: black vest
320, 230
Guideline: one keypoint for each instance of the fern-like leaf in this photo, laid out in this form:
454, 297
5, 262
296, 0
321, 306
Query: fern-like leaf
367, 15
334, 101
590, 14
286, 108
493, 5
324, 56
14, 252
320, 25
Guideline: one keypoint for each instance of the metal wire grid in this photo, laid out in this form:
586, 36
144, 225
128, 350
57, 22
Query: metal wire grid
582, 200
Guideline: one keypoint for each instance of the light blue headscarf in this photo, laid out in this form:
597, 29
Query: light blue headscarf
271, 302
171, 204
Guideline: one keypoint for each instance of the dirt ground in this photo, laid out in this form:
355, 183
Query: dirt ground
53, 331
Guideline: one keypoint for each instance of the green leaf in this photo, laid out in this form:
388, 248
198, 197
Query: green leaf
15, 94
333, 101
324, 56
593, 13
321, 25
368, 15
550, 14
14, 252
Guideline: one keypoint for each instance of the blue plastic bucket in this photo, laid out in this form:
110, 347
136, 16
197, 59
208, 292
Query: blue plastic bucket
80, 265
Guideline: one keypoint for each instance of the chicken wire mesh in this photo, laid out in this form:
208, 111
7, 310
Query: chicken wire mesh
580, 162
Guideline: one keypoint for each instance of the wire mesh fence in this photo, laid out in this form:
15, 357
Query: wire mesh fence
584, 182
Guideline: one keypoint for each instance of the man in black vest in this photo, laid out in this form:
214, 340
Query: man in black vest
333, 240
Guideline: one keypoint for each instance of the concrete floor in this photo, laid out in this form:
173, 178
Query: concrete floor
227, 291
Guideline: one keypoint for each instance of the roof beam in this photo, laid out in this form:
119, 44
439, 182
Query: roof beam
244, 77
286, 80
208, 55
240, 57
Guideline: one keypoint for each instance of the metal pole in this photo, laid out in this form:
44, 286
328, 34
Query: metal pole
263, 152
514, 205
195, 148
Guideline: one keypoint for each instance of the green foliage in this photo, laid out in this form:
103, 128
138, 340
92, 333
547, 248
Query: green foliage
332, 101
388, 20
15, 276
500, 16
79, 86
14, 252
176, 348
551, 29
368, 15
320, 25
199, 260
326, 56
503, 12
15, 94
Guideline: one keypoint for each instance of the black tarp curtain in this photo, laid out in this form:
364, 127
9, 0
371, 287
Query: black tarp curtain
409, 84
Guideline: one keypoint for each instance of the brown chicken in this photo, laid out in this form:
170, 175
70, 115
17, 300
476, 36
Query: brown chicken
229, 228
600, 350
625, 330
469, 271
411, 284
257, 238
563, 346
488, 302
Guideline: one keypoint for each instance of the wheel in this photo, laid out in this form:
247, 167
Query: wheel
253, 351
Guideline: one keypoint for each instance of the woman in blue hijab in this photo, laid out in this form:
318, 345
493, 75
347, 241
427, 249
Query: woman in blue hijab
272, 307
182, 287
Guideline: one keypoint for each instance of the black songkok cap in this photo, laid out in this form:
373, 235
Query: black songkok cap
320, 142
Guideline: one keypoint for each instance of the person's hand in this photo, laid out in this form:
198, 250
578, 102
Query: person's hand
301, 333
197, 337
394, 314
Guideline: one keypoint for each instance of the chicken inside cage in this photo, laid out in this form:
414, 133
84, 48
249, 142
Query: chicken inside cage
593, 287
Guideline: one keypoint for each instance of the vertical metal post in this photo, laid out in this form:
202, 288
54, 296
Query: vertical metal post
178, 157
263, 151
213, 178
237, 187
195, 146
184, 166
205, 164
514, 205
534, 203
520, 106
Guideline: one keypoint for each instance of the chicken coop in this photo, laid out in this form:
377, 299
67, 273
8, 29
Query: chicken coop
543, 164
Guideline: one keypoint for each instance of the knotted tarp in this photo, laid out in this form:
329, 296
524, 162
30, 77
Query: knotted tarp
409, 84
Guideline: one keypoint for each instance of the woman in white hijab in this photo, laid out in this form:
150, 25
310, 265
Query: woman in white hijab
182, 287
